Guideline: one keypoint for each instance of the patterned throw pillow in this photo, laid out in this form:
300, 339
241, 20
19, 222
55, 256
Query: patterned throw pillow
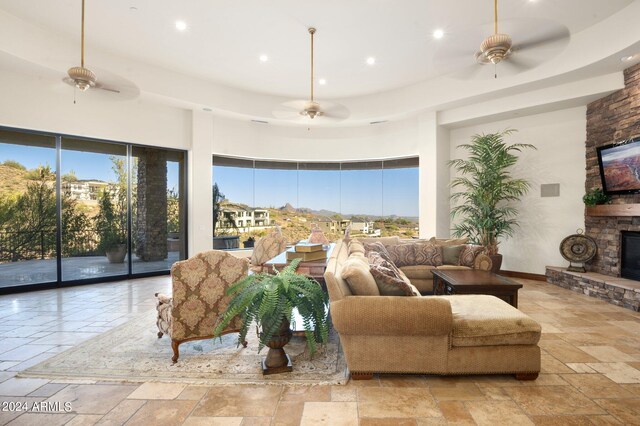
387, 276
268, 247
468, 255
378, 248
427, 254
402, 254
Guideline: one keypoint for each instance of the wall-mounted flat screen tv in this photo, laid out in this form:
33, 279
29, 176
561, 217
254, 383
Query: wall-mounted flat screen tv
620, 167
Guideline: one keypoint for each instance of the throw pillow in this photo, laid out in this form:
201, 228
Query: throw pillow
451, 254
428, 254
378, 248
468, 255
402, 254
355, 270
387, 277
483, 262
268, 247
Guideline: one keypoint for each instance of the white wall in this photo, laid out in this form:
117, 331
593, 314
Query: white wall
560, 158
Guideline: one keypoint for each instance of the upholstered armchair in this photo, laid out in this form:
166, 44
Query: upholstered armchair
199, 297
267, 248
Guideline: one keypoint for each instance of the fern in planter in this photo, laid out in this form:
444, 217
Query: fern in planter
595, 197
269, 300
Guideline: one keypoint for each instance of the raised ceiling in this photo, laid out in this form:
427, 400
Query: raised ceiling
224, 39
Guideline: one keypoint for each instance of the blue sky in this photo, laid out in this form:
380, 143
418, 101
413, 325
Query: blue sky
369, 192
86, 165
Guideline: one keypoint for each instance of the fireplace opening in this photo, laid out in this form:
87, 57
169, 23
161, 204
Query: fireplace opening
630, 255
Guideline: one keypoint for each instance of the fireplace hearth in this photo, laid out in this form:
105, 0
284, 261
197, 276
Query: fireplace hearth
630, 255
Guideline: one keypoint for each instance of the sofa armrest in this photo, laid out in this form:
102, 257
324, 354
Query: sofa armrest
392, 315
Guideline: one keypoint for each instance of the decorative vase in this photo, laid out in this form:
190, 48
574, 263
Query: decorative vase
496, 262
277, 361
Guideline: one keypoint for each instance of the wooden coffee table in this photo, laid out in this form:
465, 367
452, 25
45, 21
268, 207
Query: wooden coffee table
472, 281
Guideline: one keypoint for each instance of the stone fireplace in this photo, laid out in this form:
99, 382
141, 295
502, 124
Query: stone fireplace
630, 255
614, 274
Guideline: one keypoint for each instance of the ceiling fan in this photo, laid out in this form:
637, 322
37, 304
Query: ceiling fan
311, 108
83, 78
537, 40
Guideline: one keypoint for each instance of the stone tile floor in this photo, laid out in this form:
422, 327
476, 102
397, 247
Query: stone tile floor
590, 372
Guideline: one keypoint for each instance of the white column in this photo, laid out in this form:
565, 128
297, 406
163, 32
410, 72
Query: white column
200, 181
433, 150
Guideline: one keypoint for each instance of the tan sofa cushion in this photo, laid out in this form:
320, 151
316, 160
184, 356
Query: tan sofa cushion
418, 271
356, 246
482, 320
355, 270
454, 267
448, 242
387, 241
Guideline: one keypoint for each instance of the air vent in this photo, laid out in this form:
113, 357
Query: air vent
378, 122
260, 121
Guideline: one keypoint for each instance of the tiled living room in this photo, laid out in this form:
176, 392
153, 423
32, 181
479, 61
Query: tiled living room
163, 163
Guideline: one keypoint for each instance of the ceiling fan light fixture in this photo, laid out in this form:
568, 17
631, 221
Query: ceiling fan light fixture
83, 78
495, 48
311, 110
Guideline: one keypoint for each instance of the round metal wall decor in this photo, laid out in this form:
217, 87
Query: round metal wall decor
578, 248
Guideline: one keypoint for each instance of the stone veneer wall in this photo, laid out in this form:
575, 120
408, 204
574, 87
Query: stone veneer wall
611, 119
151, 203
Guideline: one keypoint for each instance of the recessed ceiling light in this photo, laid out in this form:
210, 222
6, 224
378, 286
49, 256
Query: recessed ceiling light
371, 60
181, 25
627, 58
264, 58
438, 34
322, 81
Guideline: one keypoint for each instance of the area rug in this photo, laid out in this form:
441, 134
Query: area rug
133, 353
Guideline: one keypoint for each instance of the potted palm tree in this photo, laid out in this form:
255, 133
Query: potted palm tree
269, 301
487, 191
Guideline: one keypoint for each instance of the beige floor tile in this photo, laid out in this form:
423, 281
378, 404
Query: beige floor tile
24, 352
213, 421
561, 420
566, 352
552, 365
434, 421
288, 413
239, 401
306, 393
256, 421
607, 420
20, 387
552, 400
606, 353
84, 420
162, 413
597, 386
344, 393
154, 390
468, 392
12, 411
580, 367
491, 413
625, 410
121, 412
387, 422
619, 372
92, 399
193, 392
632, 387
396, 402
330, 413
48, 419
455, 412
48, 390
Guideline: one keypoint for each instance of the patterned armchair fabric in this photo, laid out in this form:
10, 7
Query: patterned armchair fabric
199, 287
268, 247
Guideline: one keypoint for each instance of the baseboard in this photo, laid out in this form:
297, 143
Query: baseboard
524, 275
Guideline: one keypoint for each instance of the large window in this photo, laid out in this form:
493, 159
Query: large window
80, 210
377, 198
